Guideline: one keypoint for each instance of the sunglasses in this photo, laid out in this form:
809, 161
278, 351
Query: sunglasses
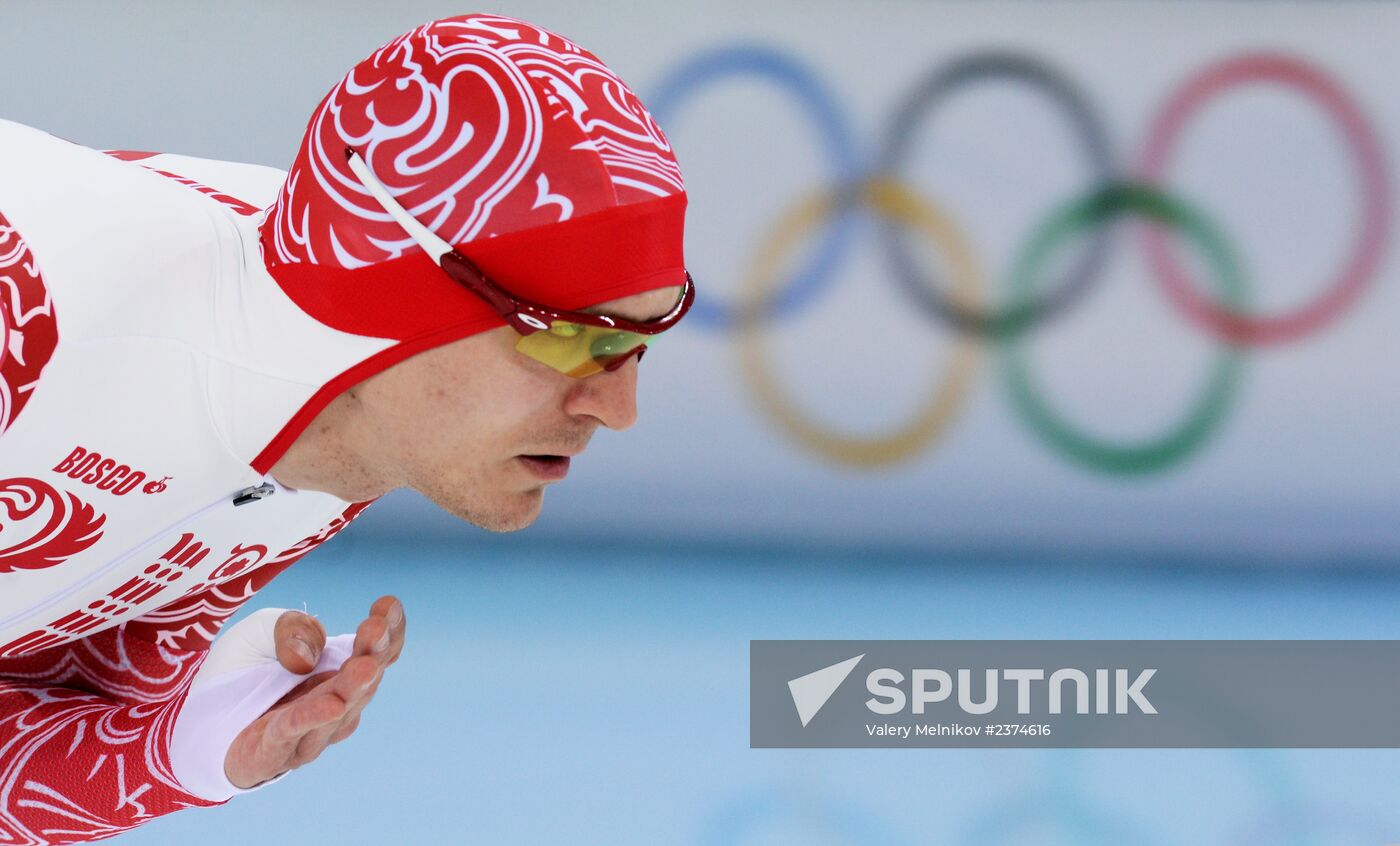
575, 343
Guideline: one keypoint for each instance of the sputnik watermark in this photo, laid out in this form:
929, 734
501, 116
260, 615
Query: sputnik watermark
934, 686
929, 686
1074, 693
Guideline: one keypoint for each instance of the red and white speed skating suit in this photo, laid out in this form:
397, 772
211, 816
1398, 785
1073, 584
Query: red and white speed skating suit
164, 340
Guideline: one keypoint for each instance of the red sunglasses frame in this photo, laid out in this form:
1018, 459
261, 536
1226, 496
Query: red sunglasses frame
527, 316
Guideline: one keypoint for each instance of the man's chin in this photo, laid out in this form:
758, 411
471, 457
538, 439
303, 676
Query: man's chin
509, 513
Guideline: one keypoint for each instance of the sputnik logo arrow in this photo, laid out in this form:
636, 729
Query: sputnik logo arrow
811, 692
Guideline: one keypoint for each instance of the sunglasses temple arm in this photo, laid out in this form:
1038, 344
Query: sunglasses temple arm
467, 275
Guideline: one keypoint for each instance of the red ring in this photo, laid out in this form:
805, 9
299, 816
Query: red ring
1289, 71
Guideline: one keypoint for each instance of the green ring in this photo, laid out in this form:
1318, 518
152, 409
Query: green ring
1160, 452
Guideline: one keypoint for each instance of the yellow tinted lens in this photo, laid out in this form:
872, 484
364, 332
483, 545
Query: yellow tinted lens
580, 350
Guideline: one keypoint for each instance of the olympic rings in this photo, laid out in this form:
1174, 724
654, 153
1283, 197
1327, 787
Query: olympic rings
1229, 324
1030, 303
939, 86
785, 72
892, 202
1166, 449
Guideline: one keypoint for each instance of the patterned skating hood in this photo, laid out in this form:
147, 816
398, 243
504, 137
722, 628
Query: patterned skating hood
510, 142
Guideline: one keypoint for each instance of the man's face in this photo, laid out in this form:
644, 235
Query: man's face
480, 429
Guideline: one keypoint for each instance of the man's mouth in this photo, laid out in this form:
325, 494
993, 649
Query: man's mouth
551, 468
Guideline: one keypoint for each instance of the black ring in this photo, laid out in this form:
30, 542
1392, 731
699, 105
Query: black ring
923, 284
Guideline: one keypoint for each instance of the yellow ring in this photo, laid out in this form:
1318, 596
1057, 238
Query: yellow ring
897, 203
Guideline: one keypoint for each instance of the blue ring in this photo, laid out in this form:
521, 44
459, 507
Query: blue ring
770, 64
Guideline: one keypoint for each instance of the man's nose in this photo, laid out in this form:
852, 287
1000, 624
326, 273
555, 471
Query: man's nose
610, 397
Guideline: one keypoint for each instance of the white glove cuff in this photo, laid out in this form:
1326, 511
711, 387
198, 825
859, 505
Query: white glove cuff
237, 683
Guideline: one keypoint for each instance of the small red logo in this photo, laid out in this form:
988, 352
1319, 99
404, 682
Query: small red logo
106, 474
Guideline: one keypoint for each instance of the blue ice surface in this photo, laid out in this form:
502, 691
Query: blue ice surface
580, 694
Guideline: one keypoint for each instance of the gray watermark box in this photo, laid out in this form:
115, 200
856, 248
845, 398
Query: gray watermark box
1075, 693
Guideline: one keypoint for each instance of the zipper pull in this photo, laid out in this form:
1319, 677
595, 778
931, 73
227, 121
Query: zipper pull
254, 494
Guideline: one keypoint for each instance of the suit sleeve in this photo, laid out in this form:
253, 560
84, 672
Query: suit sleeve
86, 728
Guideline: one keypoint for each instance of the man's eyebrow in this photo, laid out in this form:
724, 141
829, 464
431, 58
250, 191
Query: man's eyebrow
606, 313
652, 319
